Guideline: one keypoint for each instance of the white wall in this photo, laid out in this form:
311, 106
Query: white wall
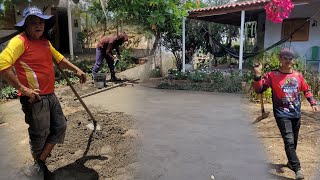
273, 30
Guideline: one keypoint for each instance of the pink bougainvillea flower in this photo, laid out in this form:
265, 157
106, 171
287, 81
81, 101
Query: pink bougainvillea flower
277, 10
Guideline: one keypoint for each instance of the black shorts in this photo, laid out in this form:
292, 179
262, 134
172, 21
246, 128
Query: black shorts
47, 123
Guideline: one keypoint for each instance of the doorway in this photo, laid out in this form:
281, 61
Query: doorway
61, 35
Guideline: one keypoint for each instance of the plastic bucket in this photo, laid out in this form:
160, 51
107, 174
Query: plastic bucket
100, 80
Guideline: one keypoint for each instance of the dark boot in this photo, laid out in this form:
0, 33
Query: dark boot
113, 77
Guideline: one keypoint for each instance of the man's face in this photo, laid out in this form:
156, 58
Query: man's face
286, 61
35, 26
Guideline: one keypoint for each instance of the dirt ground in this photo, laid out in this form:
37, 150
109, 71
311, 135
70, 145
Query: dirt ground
106, 154
308, 144
111, 154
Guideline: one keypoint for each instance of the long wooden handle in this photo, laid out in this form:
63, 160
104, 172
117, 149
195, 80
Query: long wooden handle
262, 104
75, 92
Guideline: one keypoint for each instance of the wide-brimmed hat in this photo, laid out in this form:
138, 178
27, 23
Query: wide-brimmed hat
49, 19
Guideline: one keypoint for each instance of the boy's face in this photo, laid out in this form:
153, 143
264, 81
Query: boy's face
286, 61
35, 26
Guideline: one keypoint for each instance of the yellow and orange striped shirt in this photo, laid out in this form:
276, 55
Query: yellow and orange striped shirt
32, 60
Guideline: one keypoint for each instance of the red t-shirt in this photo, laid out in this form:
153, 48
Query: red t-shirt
286, 92
32, 60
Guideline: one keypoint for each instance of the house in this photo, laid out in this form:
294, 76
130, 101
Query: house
58, 8
305, 14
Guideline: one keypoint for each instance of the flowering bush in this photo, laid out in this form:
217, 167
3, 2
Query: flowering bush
277, 10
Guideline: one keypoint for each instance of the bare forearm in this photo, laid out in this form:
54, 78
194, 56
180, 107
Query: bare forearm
65, 64
9, 76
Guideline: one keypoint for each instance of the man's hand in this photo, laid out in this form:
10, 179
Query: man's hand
81, 75
32, 94
315, 108
9, 76
257, 67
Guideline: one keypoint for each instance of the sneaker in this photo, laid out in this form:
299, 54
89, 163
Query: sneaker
36, 170
299, 175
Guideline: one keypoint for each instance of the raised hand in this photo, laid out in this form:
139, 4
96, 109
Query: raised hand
257, 68
315, 108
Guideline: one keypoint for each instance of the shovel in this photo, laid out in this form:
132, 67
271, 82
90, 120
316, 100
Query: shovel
263, 113
91, 126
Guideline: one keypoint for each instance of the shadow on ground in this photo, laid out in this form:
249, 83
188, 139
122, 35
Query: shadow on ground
279, 169
77, 170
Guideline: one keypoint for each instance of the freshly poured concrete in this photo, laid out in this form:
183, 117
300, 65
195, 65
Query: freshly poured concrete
189, 135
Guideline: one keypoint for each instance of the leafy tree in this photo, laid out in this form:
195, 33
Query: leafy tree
156, 16
163, 18
97, 12
7, 14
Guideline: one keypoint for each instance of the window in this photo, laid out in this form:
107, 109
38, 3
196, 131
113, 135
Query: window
290, 25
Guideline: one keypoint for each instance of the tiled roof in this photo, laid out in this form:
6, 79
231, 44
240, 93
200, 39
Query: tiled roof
232, 5
256, 4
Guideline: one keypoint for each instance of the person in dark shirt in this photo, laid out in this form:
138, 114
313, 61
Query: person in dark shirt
287, 85
104, 51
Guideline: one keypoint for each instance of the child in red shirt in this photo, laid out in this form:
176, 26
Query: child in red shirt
287, 85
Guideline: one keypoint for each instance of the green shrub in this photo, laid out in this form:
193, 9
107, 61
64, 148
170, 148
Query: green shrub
197, 76
127, 61
63, 82
198, 82
85, 65
122, 65
232, 84
268, 95
217, 77
8, 92
178, 75
155, 73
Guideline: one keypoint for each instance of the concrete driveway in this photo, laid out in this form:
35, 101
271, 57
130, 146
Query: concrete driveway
189, 135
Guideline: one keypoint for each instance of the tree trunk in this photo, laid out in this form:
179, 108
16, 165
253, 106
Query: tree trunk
178, 60
155, 44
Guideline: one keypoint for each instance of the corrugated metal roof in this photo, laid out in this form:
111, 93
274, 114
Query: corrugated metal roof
232, 5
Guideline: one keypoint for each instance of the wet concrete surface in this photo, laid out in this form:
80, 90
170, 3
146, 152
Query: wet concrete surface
189, 135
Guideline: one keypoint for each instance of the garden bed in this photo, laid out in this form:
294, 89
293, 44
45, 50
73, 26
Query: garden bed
216, 81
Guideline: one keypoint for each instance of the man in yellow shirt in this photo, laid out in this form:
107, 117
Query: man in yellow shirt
30, 53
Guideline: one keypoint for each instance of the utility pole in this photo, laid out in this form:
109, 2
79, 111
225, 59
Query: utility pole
241, 40
184, 42
70, 31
